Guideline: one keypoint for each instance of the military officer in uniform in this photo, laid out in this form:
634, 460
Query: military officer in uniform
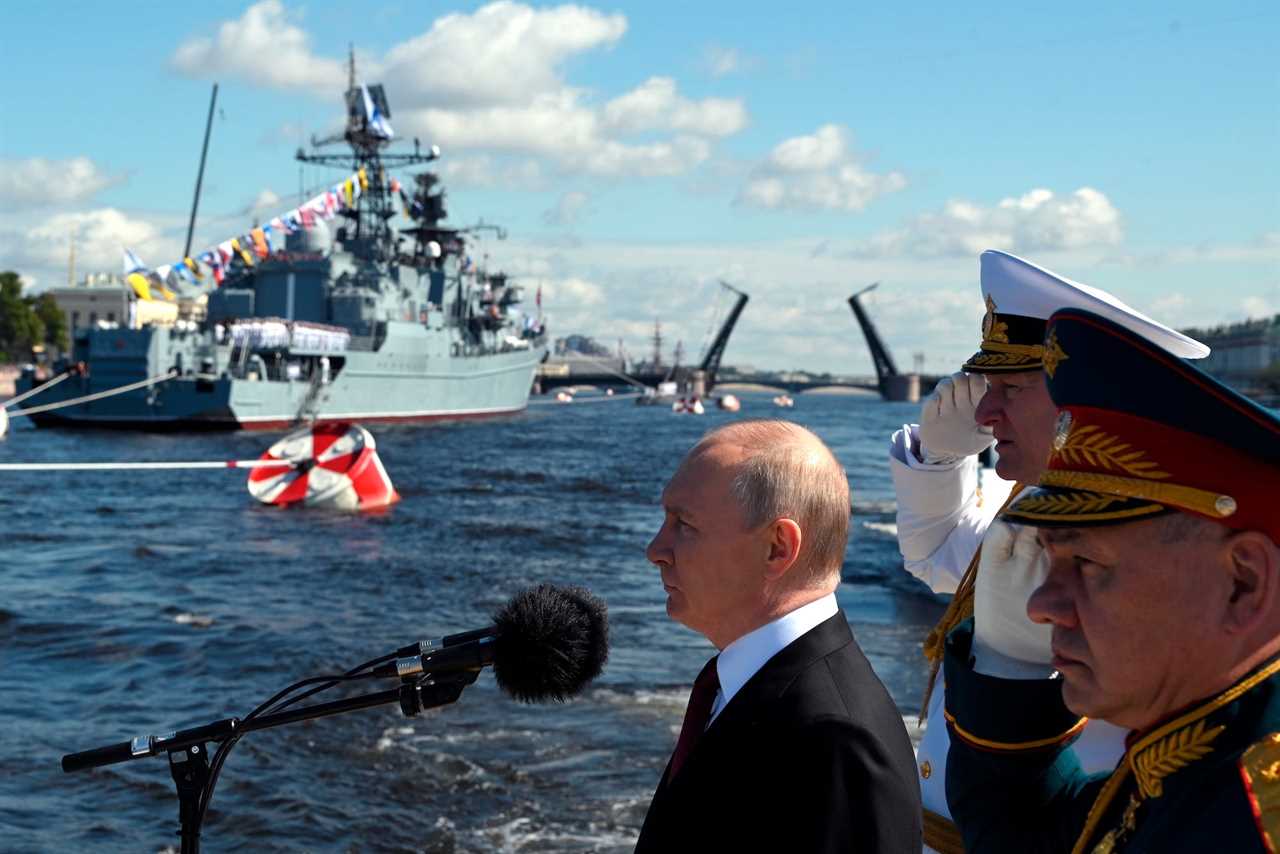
945, 527
1158, 514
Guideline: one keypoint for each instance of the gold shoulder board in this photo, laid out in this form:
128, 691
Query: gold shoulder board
1260, 767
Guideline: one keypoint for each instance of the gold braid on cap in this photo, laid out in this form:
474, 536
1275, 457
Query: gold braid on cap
959, 610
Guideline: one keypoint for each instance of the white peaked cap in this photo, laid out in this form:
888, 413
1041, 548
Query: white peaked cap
1018, 287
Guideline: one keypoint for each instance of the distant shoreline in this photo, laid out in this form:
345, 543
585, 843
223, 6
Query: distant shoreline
770, 389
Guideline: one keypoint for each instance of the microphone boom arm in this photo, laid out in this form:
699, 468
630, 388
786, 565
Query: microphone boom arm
414, 696
188, 756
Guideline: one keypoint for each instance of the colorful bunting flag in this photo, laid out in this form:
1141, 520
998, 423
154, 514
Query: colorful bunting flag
141, 287
260, 243
148, 284
131, 262
242, 252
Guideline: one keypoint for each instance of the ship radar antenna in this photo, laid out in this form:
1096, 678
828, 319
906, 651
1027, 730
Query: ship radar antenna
369, 134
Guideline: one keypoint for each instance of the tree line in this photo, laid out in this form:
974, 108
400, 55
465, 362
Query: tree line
27, 321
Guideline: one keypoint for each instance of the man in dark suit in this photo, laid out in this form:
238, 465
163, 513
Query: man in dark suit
790, 743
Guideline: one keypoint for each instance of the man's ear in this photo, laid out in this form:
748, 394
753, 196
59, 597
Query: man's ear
1253, 561
784, 541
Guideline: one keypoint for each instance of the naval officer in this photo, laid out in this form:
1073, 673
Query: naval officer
945, 530
1158, 515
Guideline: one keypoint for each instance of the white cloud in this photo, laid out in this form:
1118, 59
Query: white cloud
99, 235
1174, 309
503, 53
557, 128
655, 105
1257, 306
720, 61
669, 157
38, 182
567, 210
818, 172
490, 81
487, 171
1263, 248
931, 305
263, 47
267, 203
571, 293
1037, 221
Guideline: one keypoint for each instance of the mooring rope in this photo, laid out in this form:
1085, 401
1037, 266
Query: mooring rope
225, 464
47, 384
159, 378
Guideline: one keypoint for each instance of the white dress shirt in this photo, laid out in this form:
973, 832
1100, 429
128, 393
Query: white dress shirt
743, 658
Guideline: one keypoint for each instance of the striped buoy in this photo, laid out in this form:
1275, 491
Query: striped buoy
327, 465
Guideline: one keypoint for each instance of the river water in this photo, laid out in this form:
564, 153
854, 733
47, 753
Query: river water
143, 602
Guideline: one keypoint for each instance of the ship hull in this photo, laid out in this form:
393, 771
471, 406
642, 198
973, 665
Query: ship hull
412, 378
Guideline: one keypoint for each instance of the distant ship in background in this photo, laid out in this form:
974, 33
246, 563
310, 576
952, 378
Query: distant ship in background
350, 320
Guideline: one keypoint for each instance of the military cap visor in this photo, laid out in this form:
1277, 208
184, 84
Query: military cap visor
1019, 297
1141, 432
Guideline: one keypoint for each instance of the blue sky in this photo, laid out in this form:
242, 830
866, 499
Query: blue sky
639, 152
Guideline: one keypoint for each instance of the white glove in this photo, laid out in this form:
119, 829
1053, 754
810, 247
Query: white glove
947, 429
1012, 566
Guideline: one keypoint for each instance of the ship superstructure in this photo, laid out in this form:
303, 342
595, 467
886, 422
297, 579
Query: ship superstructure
378, 314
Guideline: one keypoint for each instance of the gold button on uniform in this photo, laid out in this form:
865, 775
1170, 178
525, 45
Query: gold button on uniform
926, 769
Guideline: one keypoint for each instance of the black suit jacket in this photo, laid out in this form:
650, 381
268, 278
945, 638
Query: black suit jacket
810, 755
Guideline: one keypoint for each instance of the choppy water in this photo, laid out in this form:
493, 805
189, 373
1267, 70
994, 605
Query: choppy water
136, 603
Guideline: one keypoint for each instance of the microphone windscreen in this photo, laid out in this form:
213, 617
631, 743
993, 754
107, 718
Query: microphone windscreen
551, 641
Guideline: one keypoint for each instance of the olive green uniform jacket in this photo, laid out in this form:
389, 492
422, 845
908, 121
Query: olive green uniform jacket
1206, 779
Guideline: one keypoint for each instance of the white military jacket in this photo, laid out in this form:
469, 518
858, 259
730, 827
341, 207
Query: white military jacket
942, 518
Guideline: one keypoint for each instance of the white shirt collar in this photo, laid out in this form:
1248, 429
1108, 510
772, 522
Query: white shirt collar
743, 658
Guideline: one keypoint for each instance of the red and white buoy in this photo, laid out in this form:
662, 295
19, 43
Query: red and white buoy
332, 465
326, 465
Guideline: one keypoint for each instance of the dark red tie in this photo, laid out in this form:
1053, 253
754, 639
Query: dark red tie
696, 716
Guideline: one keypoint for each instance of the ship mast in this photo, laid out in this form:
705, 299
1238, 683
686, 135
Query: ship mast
367, 134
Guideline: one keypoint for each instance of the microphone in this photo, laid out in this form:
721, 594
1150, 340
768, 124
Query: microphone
546, 643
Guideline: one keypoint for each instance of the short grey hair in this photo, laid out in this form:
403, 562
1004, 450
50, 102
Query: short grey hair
790, 473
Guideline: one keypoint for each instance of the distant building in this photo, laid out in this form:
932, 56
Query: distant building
580, 355
581, 344
1241, 352
105, 298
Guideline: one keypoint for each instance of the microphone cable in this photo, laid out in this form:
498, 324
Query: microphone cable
277, 703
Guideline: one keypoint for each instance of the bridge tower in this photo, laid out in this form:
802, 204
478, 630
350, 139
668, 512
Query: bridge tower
711, 361
893, 385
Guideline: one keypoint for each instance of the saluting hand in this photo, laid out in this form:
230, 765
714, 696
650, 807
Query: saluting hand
947, 429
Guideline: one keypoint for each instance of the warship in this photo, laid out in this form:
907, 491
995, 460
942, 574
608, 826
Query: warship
355, 320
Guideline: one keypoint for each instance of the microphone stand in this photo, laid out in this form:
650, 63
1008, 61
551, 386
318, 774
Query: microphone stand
188, 756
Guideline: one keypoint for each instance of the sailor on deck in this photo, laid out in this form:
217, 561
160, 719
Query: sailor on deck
945, 528
1158, 515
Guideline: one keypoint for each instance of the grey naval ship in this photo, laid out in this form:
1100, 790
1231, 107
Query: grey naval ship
351, 320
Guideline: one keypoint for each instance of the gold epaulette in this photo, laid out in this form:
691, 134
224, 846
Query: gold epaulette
1260, 768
